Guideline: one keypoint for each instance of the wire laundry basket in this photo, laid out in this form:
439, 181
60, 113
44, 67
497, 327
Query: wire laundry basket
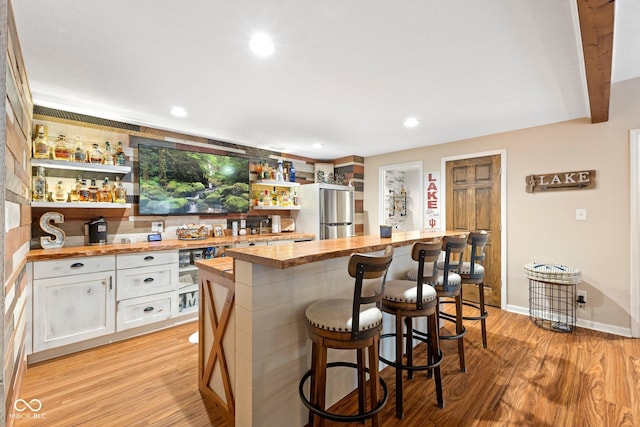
552, 295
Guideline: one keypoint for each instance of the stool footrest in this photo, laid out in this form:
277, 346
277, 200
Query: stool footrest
338, 417
413, 367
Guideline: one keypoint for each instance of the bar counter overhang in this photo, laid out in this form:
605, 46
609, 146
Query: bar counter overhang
253, 343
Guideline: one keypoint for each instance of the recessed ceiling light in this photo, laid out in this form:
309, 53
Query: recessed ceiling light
411, 122
261, 44
179, 112
317, 145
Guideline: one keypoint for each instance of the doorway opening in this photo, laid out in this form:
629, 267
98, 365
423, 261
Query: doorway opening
634, 200
400, 204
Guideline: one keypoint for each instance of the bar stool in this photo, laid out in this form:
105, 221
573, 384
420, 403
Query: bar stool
472, 273
406, 299
449, 285
342, 323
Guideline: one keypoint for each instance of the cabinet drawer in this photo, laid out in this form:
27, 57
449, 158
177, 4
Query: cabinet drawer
138, 282
144, 310
144, 259
73, 266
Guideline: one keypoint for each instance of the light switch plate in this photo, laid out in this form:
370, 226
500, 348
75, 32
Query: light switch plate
581, 214
156, 226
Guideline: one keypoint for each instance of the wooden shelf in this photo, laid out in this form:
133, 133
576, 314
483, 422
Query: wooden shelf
68, 205
78, 166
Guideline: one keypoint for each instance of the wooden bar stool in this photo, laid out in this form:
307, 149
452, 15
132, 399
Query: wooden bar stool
346, 324
407, 299
449, 285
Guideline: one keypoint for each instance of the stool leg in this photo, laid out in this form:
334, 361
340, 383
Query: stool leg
459, 329
409, 345
483, 314
399, 348
321, 380
434, 354
361, 379
374, 378
313, 390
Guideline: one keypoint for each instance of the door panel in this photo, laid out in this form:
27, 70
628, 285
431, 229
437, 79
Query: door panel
473, 203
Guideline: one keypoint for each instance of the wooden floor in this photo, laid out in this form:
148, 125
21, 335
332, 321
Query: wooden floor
527, 376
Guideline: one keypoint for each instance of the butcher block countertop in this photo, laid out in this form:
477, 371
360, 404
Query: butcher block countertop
119, 248
221, 266
286, 256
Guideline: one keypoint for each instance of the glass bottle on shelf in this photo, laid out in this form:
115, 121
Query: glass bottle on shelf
259, 170
120, 156
292, 173
266, 199
61, 150
83, 193
75, 191
93, 191
279, 172
274, 197
104, 195
119, 192
60, 195
39, 193
296, 199
96, 155
108, 157
40, 146
79, 153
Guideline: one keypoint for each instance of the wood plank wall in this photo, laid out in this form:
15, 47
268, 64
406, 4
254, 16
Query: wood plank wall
15, 211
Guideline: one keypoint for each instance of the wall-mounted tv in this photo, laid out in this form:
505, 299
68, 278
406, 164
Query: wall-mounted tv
175, 181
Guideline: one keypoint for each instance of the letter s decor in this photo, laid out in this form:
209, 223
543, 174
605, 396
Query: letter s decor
58, 235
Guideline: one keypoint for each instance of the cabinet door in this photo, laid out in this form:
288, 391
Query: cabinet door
72, 308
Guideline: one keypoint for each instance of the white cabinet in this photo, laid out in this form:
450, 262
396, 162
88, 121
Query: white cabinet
147, 285
248, 244
74, 300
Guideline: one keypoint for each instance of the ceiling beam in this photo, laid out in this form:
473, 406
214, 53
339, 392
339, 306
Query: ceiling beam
596, 26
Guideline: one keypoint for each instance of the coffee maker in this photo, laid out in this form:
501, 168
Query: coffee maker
95, 231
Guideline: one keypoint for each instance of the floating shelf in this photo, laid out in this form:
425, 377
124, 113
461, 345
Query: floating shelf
84, 205
276, 208
78, 166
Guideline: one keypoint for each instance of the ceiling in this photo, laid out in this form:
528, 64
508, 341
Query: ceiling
345, 74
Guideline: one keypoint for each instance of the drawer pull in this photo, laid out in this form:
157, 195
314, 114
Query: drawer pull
77, 265
148, 309
148, 280
149, 258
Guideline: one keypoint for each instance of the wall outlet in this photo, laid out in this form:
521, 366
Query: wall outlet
157, 226
581, 214
581, 300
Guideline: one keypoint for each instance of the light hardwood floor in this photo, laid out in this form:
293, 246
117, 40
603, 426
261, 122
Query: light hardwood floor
527, 376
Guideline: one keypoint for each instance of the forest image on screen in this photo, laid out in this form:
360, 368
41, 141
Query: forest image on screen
182, 182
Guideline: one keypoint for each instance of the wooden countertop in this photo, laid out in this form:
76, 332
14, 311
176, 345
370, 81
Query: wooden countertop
286, 256
222, 266
112, 249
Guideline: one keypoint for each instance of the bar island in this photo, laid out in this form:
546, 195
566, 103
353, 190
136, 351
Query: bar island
253, 343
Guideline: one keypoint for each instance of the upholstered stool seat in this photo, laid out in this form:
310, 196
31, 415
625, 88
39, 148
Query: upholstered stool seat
406, 300
349, 324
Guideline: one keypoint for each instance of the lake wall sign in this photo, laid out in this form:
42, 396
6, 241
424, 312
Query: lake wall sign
576, 180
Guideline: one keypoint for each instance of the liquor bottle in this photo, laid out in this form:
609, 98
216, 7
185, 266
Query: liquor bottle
274, 197
292, 173
93, 191
296, 199
79, 153
108, 157
104, 195
60, 195
119, 192
280, 172
75, 191
83, 193
96, 155
120, 156
40, 146
259, 170
61, 150
266, 199
39, 193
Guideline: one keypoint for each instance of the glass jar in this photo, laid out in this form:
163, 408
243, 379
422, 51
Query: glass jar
61, 150
95, 156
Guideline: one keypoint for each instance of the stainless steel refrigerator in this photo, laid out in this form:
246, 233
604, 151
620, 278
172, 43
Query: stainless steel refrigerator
327, 210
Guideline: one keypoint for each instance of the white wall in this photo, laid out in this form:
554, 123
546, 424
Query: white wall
542, 227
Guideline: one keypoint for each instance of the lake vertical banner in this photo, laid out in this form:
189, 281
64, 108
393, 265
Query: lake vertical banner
432, 219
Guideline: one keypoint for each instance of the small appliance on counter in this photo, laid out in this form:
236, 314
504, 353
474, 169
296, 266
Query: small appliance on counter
275, 223
95, 231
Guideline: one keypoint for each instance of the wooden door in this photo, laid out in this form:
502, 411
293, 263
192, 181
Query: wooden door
473, 203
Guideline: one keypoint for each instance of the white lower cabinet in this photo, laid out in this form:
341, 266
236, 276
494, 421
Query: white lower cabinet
134, 312
147, 288
75, 302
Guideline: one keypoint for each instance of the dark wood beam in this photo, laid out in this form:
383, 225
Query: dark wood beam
596, 25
